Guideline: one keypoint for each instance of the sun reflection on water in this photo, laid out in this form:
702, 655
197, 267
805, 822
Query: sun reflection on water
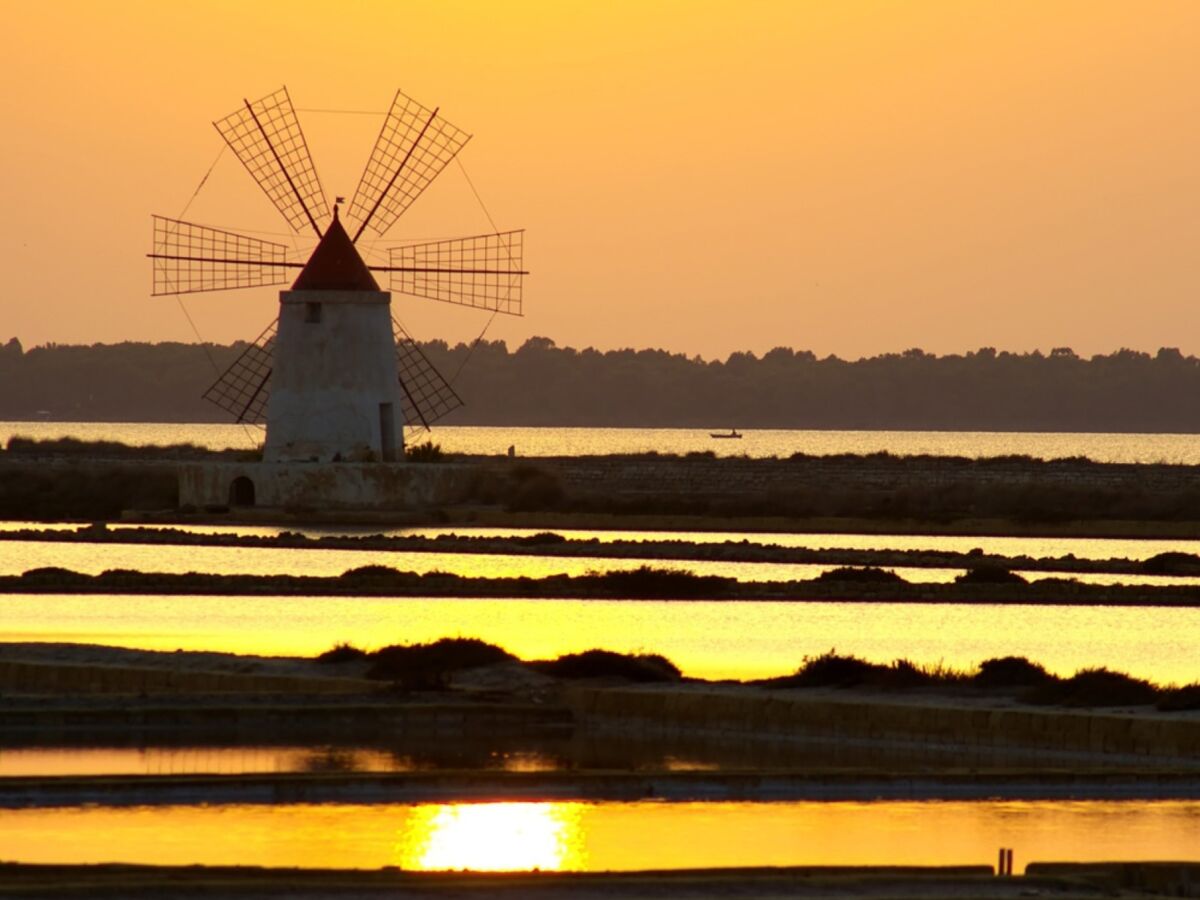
493, 837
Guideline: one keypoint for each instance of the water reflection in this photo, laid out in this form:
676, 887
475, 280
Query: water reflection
605, 836
493, 837
576, 750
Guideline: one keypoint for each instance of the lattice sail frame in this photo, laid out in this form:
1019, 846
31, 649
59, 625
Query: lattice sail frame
243, 388
413, 147
190, 258
483, 271
429, 397
267, 138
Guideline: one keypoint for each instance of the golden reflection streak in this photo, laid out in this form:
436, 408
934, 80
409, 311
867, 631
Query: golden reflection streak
493, 837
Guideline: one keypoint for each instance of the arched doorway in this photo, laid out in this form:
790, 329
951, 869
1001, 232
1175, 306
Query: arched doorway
241, 492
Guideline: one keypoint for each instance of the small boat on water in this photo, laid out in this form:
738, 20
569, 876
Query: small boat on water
732, 433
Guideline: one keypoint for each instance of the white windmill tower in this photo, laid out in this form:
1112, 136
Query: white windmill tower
335, 378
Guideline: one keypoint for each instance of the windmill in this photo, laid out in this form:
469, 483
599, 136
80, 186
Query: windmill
335, 377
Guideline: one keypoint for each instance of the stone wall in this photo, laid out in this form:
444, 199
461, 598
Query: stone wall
1163, 737
20, 677
320, 486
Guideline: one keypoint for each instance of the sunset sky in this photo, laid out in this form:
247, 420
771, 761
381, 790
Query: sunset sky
846, 177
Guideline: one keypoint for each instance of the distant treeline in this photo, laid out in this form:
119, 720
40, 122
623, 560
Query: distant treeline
542, 384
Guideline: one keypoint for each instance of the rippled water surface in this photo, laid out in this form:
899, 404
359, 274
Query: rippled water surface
745, 639
236, 760
1172, 448
605, 836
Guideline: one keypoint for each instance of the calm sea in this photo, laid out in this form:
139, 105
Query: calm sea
1125, 448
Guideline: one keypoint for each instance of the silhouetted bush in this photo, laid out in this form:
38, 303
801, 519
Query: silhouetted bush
834, 671
643, 668
860, 575
541, 539
1172, 563
375, 576
400, 662
1094, 687
427, 452
830, 670
342, 653
1179, 699
989, 574
649, 582
1010, 672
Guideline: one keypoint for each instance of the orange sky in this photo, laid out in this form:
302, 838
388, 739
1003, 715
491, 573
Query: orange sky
847, 177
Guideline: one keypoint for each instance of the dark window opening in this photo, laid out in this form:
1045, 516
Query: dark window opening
241, 492
312, 312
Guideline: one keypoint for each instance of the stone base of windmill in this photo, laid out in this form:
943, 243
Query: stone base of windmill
321, 486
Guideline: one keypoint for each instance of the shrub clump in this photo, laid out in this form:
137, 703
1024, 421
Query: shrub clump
990, 574
832, 670
860, 575
643, 668
1172, 563
1179, 699
1094, 687
428, 452
650, 582
341, 653
1010, 672
406, 662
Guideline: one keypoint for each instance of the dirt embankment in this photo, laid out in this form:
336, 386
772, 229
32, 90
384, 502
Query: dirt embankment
645, 583
555, 545
1014, 493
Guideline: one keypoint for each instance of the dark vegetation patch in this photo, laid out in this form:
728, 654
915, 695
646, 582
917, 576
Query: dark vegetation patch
406, 662
1010, 672
1172, 563
427, 452
990, 574
648, 582
832, 670
859, 575
642, 668
426, 667
1180, 699
1094, 687
1029, 680
342, 653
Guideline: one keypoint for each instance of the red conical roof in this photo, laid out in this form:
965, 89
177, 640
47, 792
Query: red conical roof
335, 264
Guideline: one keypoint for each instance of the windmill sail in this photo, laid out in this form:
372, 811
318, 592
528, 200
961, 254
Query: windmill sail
430, 397
267, 138
483, 271
243, 388
190, 258
413, 147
